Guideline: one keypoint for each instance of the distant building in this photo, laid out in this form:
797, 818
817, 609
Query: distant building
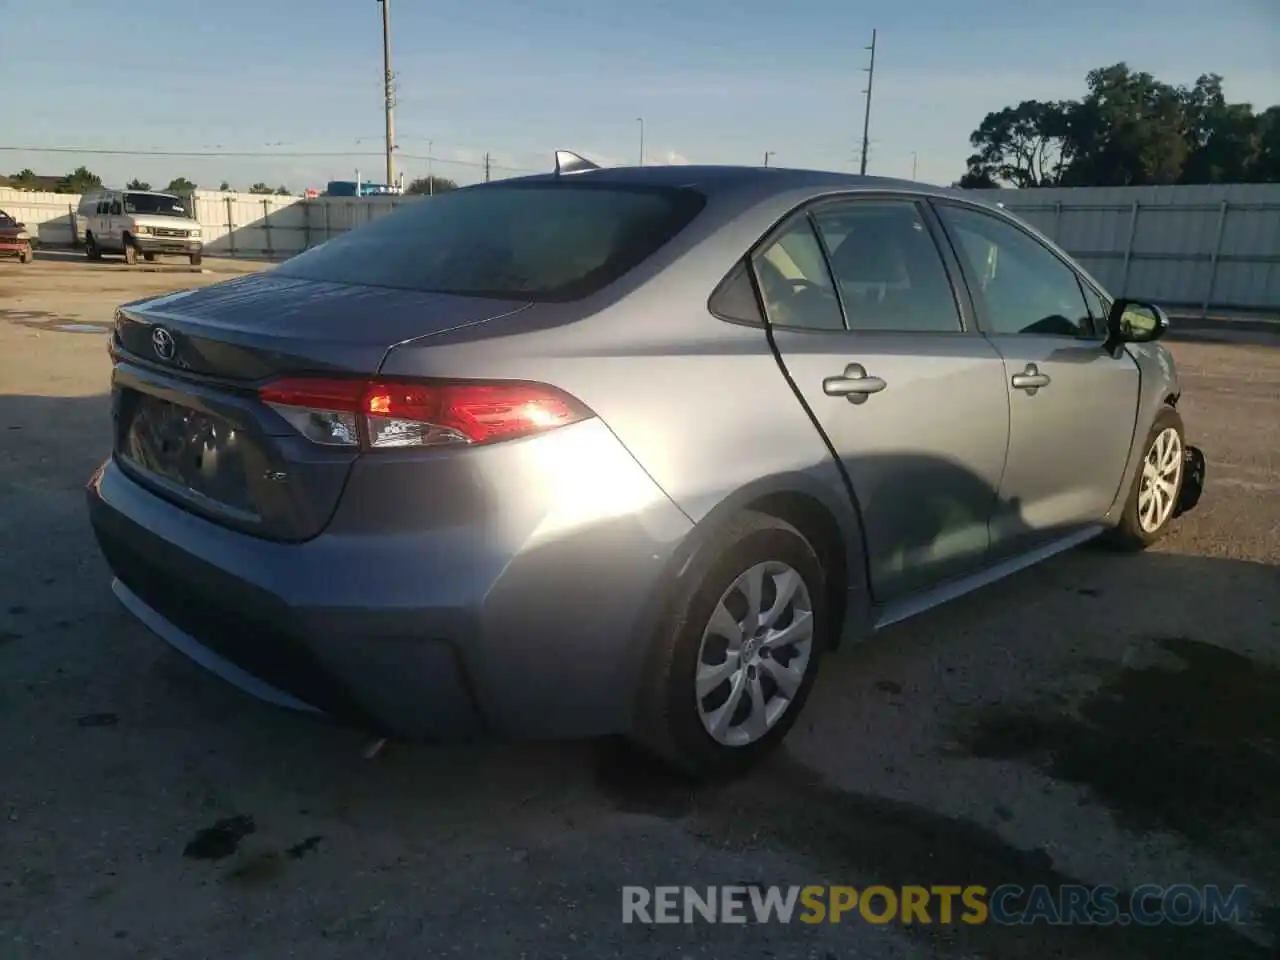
349, 188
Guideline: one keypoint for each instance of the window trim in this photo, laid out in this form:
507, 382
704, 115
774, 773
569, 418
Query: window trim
952, 268
979, 305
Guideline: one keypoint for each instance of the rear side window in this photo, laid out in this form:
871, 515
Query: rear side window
533, 241
889, 270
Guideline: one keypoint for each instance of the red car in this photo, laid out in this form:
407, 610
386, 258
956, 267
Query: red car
14, 238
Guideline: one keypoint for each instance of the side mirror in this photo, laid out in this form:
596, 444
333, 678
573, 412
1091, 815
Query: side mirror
1134, 321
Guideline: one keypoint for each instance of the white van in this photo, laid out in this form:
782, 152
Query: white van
132, 222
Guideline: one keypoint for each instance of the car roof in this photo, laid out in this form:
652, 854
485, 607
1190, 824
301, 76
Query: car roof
712, 179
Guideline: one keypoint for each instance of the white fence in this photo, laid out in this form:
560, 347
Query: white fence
233, 224
1211, 247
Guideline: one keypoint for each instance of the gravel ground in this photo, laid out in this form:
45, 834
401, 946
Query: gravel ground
1098, 719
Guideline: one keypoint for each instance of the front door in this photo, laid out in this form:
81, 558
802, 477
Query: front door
1072, 406
867, 328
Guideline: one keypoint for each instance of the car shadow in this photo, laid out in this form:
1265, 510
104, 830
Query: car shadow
984, 742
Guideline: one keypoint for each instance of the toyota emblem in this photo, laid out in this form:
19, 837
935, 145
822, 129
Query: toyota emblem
162, 343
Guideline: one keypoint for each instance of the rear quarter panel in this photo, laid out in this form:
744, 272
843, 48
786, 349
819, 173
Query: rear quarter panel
700, 403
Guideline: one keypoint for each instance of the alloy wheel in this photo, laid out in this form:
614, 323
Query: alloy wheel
754, 653
1161, 478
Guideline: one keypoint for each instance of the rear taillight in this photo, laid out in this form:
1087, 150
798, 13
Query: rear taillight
379, 414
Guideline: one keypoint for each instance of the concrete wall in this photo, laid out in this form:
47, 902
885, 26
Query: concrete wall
1210, 247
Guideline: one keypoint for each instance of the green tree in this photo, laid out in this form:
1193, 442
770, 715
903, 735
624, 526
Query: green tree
1023, 146
260, 187
79, 180
180, 185
1266, 166
225, 187
24, 179
1128, 129
431, 185
282, 191
137, 185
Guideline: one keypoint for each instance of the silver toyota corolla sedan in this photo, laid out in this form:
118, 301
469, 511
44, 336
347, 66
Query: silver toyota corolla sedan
621, 451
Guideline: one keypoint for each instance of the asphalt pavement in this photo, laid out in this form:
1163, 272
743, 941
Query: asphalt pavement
1099, 720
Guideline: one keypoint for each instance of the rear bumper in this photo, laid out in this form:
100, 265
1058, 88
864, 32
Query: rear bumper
439, 634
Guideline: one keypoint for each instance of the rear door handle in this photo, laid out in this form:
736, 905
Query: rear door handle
1031, 379
854, 384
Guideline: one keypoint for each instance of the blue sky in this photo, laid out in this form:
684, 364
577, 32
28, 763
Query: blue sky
715, 80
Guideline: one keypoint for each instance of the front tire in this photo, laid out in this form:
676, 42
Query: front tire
1153, 500
736, 661
130, 251
195, 259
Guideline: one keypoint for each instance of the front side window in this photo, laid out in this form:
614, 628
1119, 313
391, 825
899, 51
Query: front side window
6, 220
794, 280
545, 240
154, 204
890, 273
1098, 309
1019, 283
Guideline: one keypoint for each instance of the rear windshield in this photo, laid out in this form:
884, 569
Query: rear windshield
153, 203
531, 241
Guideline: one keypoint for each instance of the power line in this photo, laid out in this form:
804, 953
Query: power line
281, 154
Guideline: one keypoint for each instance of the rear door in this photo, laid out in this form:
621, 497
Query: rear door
870, 332
1072, 405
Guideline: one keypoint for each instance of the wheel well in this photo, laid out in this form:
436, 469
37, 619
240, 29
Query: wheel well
1172, 400
820, 528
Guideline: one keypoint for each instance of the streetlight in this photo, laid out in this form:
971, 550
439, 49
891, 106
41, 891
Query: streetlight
640, 120
431, 180
915, 157
768, 154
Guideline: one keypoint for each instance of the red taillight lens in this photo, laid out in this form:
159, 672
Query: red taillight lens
397, 413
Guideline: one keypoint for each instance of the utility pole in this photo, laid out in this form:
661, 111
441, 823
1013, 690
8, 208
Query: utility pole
915, 159
431, 180
640, 120
866, 116
486, 167
389, 90
767, 155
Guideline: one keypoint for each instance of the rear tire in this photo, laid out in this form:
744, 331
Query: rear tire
91, 249
704, 659
149, 257
1153, 500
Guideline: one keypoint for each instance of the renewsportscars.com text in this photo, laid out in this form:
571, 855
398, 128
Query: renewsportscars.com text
1068, 904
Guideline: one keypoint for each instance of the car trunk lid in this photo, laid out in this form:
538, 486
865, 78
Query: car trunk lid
187, 417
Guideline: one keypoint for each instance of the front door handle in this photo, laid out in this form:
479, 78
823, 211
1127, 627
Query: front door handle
1031, 379
854, 384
